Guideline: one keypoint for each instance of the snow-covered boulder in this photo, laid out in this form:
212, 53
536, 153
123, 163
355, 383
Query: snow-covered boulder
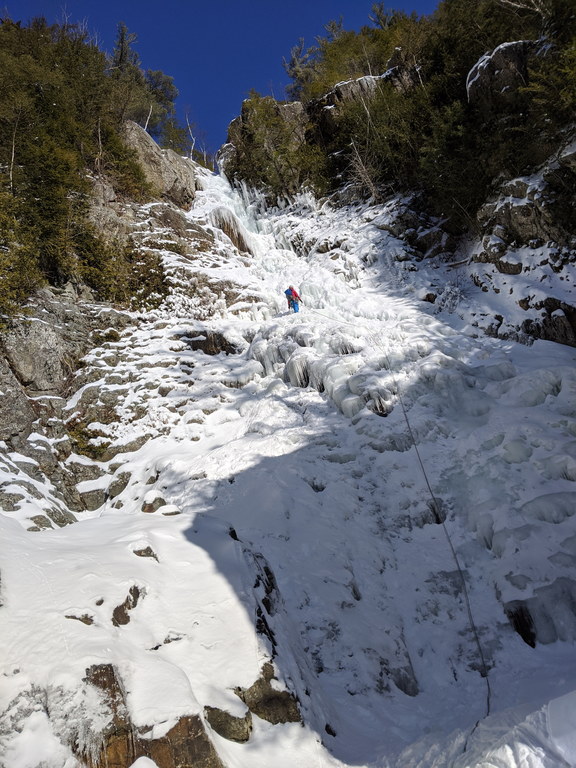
186, 743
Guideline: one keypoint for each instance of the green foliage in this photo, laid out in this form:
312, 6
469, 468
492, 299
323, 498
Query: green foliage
119, 164
146, 97
122, 274
62, 104
552, 88
19, 272
86, 441
346, 55
271, 150
415, 130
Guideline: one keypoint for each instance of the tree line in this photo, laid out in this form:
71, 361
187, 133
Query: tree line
62, 105
416, 130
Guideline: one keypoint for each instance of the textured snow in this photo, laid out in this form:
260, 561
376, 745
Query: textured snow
304, 443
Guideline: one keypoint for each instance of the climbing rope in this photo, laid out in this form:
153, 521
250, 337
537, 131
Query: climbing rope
435, 507
437, 513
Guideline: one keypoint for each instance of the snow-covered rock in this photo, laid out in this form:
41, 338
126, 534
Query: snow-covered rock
528, 248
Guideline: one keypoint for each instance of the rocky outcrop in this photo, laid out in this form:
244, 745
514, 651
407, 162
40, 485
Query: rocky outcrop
402, 71
533, 210
522, 213
41, 365
400, 74
397, 74
528, 236
227, 154
294, 115
267, 702
236, 729
171, 176
40, 351
493, 84
43, 348
210, 342
185, 745
121, 614
16, 411
557, 322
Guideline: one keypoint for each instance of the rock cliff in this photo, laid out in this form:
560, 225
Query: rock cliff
494, 83
527, 247
521, 242
170, 176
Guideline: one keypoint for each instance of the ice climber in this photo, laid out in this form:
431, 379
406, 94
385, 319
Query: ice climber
293, 298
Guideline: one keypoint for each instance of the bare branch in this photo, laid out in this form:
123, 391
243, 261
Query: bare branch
541, 7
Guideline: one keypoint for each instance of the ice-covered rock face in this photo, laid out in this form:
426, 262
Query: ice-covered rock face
364, 508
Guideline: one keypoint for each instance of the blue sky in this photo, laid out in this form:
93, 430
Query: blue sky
215, 51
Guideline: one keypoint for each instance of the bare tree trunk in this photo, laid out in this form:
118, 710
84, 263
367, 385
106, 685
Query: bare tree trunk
149, 116
100, 155
13, 153
362, 173
192, 137
417, 68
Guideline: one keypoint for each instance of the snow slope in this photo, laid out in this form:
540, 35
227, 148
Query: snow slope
391, 491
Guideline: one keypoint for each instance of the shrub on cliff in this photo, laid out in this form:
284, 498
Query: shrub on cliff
414, 129
19, 271
271, 151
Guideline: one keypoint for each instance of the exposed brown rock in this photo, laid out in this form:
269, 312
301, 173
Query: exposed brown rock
146, 552
120, 614
557, 322
118, 484
186, 745
152, 506
93, 499
211, 343
61, 517
85, 618
40, 523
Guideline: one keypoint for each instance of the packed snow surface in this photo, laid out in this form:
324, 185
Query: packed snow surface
392, 490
